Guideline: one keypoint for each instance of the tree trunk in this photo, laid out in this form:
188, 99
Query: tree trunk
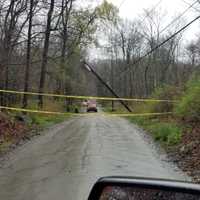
45, 54
63, 51
146, 81
6, 76
26, 81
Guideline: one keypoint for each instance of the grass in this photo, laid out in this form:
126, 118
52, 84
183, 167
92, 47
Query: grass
5, 146
47, 120
115, 111
44, 120
167, 133
167, 130
189, 106
163, 130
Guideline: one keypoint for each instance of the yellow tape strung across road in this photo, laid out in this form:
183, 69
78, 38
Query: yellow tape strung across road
85, 114
86, 97
139, 114
32, 111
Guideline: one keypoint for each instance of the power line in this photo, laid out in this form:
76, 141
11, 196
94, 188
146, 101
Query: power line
192, 6
151, 11
177, 18
161, 44
152, 50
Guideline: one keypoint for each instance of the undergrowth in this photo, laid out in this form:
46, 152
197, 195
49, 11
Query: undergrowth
168, 133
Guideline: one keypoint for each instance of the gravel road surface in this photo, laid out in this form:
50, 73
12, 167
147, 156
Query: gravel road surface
65, 161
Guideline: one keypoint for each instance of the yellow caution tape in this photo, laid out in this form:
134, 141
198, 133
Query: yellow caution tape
139, 114
86, 97
32, 111
85, 114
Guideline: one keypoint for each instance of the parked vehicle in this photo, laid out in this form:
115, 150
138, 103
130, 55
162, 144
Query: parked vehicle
85, 103
92, 106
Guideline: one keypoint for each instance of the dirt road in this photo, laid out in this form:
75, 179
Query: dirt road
63, 163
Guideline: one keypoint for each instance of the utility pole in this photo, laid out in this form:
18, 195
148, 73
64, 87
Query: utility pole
91, 69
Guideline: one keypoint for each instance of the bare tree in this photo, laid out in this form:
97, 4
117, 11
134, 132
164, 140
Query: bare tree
28, 54
12, 24
45, 53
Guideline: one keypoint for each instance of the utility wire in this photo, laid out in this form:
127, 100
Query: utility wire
152, 50
161, 44
177, 18
192, 6
151, 11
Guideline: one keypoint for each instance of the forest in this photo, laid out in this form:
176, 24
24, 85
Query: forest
43, 42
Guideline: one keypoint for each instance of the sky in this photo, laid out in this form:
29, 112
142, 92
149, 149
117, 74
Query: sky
134, 9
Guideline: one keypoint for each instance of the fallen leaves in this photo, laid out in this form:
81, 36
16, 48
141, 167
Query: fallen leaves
11, 130
187, 153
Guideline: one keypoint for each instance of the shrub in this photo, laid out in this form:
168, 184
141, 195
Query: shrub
189, 106
141, 121
45, 120
166, 132
167, 93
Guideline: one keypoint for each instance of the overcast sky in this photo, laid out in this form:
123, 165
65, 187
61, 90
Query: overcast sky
133, 9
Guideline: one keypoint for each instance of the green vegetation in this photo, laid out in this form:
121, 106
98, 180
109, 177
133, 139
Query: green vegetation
47, 120
189, 106
168, 133
44, 120
167, 92
117, 110
4, 146
165, 129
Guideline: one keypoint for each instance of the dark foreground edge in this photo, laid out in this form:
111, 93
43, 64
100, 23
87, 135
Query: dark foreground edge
160, 184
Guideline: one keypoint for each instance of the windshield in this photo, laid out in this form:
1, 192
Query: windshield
97, 88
